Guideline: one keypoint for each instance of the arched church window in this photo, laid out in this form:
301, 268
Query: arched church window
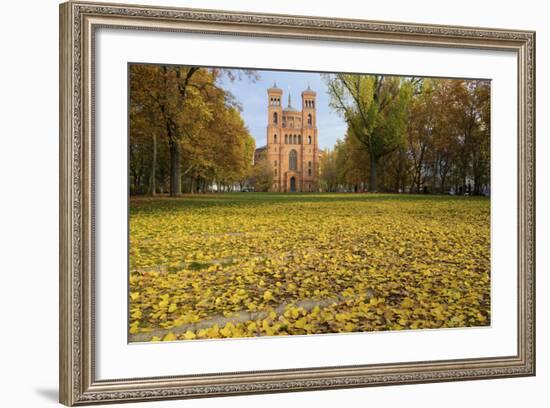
309, 140
286, 139
274, 138
275, 163
309, 164
293, 160
294, 139
275, 118
309, 119
299, 139
309, 172
275, 172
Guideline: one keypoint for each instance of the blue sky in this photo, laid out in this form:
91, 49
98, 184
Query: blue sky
252, 96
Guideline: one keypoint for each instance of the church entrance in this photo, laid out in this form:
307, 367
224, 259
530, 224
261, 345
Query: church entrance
293, 184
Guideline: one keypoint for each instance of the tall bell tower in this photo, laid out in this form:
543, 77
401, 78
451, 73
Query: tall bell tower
274, 127
310, 149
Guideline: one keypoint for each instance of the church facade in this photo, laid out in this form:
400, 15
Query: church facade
292, 142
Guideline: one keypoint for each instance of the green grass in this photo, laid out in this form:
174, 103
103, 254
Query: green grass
230, 199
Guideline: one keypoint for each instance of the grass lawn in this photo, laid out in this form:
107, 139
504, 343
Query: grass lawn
255, 264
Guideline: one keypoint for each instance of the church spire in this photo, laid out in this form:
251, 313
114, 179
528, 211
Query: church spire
289, 104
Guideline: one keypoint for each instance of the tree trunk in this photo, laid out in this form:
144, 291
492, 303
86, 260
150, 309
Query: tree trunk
373, 188
442, 185
382, 179
175, 180
399, 170
136, 183
436, 173
477, 189
153, 179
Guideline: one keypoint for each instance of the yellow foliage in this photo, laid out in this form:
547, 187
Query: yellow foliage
392, 262
169, 337
189, 335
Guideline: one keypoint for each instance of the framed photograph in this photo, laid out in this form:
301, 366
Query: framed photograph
256, 203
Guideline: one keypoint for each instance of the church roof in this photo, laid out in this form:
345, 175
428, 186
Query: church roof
290, 108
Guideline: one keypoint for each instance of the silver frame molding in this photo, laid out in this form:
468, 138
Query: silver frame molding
78, 22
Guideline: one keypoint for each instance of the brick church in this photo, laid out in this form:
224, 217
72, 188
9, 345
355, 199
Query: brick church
292, 149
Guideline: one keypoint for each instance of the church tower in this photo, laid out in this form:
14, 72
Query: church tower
310, 153
292, 146
274, 125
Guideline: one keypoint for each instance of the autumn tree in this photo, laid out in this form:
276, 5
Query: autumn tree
375, 109
472, 102
328, 171
445, 142
262, 174
353, 163
184, 125
449, 136
421, 133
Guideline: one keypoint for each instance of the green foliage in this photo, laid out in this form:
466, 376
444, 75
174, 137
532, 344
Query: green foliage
247, 264
375, 108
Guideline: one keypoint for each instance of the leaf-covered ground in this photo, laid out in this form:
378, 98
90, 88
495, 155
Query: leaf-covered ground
238, 265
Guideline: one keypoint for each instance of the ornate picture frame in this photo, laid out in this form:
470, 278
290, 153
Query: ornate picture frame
78, 24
